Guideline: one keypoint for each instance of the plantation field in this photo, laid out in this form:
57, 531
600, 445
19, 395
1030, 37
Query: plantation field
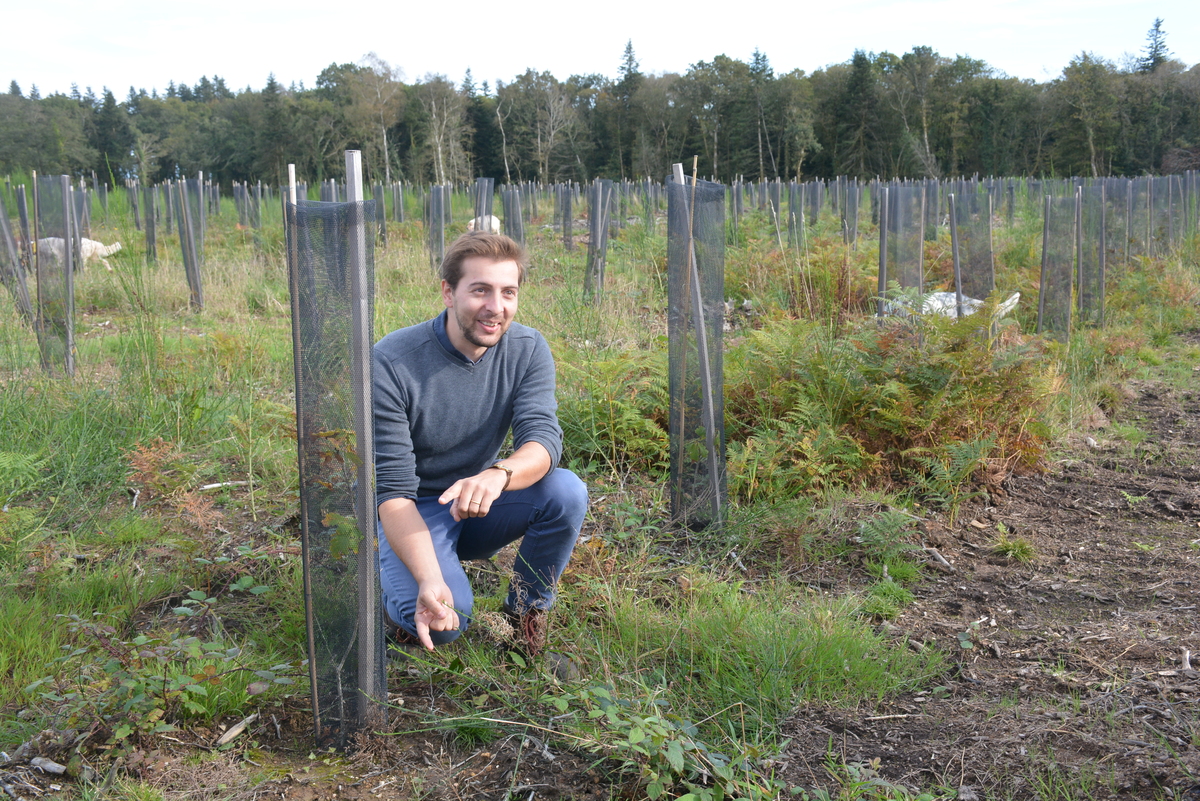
958, 562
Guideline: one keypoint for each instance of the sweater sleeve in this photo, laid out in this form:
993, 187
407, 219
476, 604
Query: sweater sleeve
395, 463
535, 407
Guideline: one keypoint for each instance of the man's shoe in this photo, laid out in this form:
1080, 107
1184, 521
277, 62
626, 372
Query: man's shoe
529, 629
400, 644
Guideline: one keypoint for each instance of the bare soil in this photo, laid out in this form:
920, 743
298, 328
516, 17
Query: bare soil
1076, 675
1075, 684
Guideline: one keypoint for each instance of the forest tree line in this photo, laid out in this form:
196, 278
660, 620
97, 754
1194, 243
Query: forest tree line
920, 114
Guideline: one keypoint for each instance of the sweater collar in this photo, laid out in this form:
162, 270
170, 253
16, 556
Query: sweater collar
439, 331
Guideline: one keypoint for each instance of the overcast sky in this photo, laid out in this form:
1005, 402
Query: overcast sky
123, 43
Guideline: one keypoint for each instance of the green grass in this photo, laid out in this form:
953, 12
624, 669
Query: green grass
1018, 549
740, 661
886, 600
1129, 433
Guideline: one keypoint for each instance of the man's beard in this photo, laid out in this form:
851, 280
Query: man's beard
468, 332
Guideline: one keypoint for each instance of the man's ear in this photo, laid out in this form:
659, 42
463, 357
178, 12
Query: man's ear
447, 293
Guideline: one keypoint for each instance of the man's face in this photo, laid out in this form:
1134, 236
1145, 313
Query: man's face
482, 306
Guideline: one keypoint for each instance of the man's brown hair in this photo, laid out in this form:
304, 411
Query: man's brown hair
480, 244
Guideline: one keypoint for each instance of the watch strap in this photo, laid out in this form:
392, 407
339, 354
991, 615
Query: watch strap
508, 474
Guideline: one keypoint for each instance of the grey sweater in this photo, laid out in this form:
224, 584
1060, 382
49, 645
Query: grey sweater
439, 418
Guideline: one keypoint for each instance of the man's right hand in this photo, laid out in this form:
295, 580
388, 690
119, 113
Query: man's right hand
435, 611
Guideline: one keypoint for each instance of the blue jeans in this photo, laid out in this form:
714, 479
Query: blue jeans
545, 517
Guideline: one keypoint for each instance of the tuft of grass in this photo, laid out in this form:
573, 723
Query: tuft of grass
1016, 549
885, 600
1129, 433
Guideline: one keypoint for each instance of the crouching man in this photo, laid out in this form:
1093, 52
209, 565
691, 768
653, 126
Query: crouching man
447, 393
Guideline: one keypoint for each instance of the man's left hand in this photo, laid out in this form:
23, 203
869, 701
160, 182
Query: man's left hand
473, 496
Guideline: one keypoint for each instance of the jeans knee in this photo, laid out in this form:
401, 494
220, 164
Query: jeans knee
444, 637
569, 491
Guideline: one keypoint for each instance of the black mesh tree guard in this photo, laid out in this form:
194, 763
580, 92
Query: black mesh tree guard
188, 247
568, 218
905, 215
795, 213
168, 206
514, 223
848, 198
83, 211
599, 203
1116, 219
483, 194
240, 202
148, 195
816, 199
933, 208
611, 212
1139, 217
621, 201
973, 219
381, 217
1160, 215
131, 194
883, 256
1191, 199
26, 232
695, 318
331, 273
55, 273
1058, 262
1092, 249
436, 224
1175, 210
775, 207
193, 204
256, 215
733, 207
12, 271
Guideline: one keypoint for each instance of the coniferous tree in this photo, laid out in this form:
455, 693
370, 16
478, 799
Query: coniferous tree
858, 118
113, 137
1156, 52
483, 142
629, 82
274, 135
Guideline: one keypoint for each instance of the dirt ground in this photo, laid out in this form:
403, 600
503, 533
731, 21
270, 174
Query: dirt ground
1075, 685
1077, 674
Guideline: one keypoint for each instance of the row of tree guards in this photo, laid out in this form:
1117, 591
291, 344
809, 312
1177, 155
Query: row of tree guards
1087, 225
330, 245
